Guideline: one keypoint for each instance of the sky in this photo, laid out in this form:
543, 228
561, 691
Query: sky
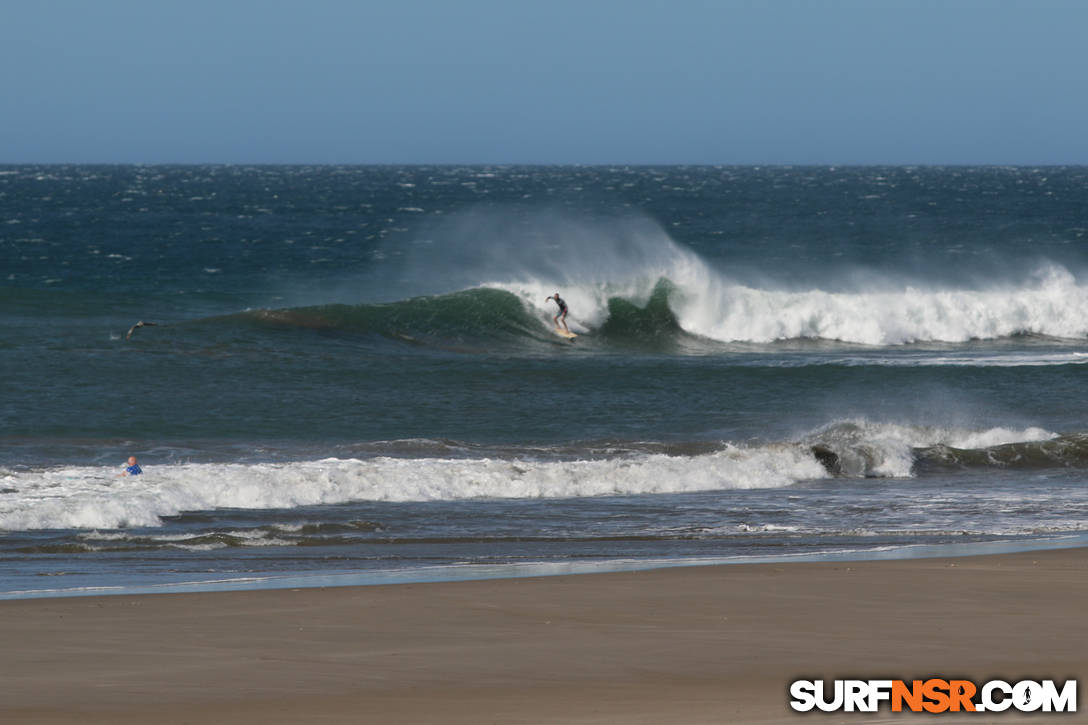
544, 81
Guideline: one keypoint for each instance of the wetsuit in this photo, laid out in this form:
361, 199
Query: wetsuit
133, 470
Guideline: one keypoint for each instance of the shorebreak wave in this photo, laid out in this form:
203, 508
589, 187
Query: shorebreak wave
95, 498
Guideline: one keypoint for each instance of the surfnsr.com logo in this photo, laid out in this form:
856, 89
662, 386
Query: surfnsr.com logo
933, 695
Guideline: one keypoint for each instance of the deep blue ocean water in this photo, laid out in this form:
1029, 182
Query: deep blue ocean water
352, 370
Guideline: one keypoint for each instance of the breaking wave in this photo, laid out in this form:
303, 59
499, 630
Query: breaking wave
671, 316
95, 498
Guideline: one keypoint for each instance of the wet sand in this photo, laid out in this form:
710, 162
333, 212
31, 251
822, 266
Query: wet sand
714, 644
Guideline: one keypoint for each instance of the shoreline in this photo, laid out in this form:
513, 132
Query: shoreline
488, 572
705, 644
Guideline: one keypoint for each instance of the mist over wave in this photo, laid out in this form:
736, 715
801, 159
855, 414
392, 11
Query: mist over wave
627, 281
1048, 302
626, 262
711, 304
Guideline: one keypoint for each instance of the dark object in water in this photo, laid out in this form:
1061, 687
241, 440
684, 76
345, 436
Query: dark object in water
141, 323
828, 458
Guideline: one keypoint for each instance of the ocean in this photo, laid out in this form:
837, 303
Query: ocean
351, 374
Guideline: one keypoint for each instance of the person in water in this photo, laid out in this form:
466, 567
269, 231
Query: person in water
562, 316
133, 468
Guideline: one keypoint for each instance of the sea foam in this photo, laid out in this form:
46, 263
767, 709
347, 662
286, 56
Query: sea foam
879, 449
855, 307
80, 497
95, 498
1048, 303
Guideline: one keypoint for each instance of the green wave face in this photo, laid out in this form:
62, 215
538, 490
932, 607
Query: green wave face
1069, 451
652, 328
487, 318
471, 315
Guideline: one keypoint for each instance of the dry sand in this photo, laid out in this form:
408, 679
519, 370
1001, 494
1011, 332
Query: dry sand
715, 644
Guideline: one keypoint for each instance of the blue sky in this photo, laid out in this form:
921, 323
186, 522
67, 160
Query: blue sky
544, 81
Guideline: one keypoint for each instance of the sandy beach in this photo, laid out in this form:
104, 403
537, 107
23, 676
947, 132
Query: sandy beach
708, 644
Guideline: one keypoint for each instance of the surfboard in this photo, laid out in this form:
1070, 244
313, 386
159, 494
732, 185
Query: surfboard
563, 333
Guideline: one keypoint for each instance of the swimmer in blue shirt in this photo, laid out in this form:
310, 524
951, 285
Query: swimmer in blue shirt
133, 468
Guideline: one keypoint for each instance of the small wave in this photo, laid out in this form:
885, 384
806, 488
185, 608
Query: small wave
73, 500
872, 449
1016, 358
82, 498
1068, 451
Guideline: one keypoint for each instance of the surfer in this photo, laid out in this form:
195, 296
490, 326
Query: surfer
133, 468
562, 316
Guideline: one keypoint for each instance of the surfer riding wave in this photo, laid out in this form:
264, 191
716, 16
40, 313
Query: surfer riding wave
562, 316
